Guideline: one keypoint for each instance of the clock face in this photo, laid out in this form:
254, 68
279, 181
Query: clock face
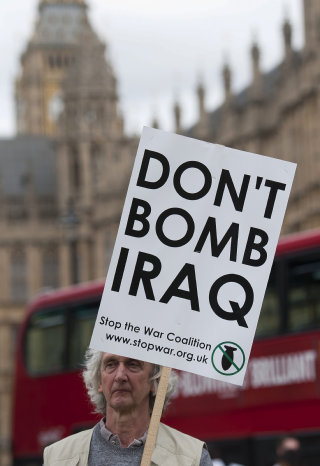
55, 107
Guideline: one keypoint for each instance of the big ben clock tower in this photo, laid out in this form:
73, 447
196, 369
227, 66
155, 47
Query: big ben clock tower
47, 59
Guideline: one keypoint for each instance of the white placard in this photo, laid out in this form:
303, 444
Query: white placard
193, 255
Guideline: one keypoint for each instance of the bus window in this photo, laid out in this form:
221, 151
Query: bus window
82, 323
231, 451
304, 294
45, 348
269, 320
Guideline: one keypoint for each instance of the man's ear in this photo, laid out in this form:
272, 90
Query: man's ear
153, 388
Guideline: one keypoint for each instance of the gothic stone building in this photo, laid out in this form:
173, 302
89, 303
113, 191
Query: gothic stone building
64, 176
276, 115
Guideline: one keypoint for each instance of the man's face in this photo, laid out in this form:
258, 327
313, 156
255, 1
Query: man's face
125, 383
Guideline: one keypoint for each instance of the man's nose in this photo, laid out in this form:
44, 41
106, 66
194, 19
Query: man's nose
121, 373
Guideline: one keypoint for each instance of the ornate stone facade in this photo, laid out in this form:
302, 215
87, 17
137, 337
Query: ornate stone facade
276, 115
64, 177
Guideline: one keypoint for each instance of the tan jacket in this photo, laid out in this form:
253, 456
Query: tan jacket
173, 448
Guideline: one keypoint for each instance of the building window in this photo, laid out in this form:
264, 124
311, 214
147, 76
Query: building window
74, 170
14, 328
51, 61
59, 61
96, 165
303, 294
50, 268
46, 344
18, 276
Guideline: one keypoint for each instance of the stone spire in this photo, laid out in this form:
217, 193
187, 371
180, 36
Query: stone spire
287, 36
155, 122
256, 72
255, 55
177, 117
202, 126
226, 75
201, 99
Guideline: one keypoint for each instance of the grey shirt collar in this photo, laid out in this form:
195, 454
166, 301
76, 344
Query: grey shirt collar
114, 439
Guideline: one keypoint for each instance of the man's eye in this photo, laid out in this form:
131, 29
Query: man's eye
134, 365
110, 365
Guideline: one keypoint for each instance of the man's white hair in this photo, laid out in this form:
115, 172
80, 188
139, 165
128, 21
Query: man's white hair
92, 377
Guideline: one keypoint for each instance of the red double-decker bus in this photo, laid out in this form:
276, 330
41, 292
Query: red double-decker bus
281, 393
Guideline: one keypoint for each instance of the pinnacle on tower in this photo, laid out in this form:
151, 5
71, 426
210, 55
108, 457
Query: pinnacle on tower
256, 71
226, 74
201, 98
177, 117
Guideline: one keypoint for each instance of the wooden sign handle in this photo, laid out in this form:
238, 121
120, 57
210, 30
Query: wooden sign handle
156, 416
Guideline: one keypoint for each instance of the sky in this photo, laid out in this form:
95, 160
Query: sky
161, 49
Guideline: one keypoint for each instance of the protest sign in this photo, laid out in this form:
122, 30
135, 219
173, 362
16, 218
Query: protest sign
193, 254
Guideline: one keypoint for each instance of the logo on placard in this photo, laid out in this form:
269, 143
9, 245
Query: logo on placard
228, 358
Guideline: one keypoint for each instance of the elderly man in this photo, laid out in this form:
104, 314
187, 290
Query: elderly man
123, 390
